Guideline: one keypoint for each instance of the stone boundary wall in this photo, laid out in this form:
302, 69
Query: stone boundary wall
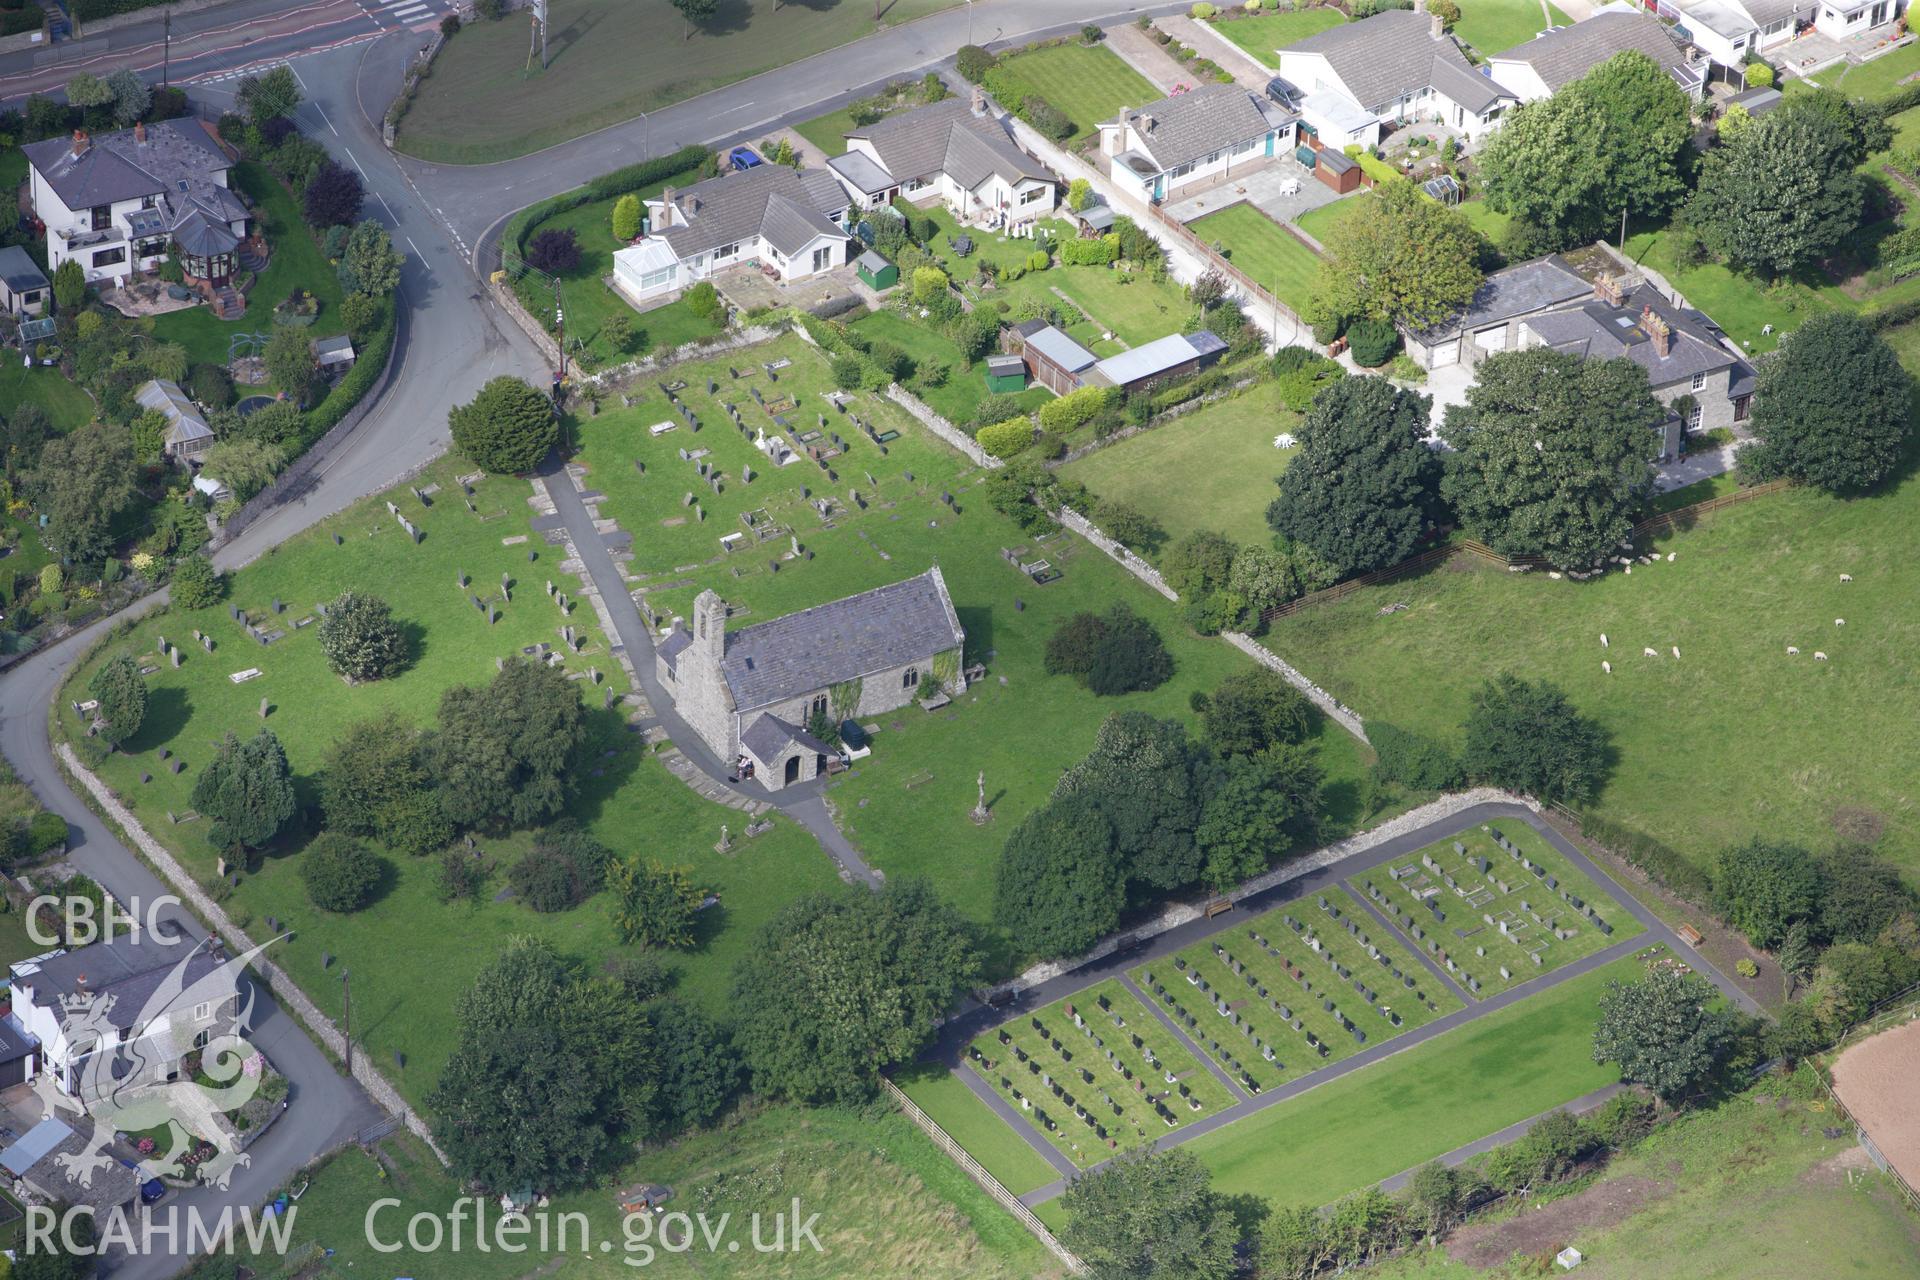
751, 336
283, 987
1132, 563
1184, 912
1343, 715
1160, 419
924, 414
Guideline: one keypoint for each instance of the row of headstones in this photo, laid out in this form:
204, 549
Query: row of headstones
412, 532
1380, 957
1222, 1007
1221, 1052
1571, 899
1156, 1100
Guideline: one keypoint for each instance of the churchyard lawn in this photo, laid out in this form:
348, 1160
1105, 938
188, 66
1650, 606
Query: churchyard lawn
1224, 456
1264, 33
884, 1194
411, 954
1295, 989
1089, 83
1734, 738
1097, 1073
970, 1122
1497, 906
1275, 257
1419, 1104
906, 806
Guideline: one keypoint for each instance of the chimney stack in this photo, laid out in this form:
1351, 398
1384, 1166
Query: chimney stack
979, 101
80, 143
666, 208
1606, 289
1437, 26
1657, 330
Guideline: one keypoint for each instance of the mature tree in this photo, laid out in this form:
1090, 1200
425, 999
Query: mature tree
1613, 141
1151, 1215
1783, 194
122, 693
840, 984
132, 98
508, 427
699, 1072
269, 96
1061, 882
1861, 893
246, 791
333, 196
1129, 656
1397, 255
1853, 977
1254, 709
24, 433
508, 755
1364, 485
361, 639
1257, 807
371, 265
1797, 954
370, 776
82, 484
565, 867
653, 904
1664, 1031
51, 1259
1762, 887
341, 874
245, 466
290, 363
196, 583
555, 250
1832, 407
1554, 453
696, 12
1197, 564
550, 1068
88, 90
1438, 1194
1142, 774
1528, 737
69, 285
1863, 124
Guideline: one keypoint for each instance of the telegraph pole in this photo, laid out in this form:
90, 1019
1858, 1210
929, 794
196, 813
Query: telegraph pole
540, 16
166, 53
346, 1018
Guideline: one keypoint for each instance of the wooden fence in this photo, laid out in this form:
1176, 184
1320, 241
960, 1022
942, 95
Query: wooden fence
1652, 526
988, 1183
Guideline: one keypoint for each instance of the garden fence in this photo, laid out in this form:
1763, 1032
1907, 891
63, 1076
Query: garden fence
988, 1183
1653, 526
1906, 1189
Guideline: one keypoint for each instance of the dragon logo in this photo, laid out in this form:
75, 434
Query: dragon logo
122, 1084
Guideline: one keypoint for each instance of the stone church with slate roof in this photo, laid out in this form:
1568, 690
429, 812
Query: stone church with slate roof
750, 693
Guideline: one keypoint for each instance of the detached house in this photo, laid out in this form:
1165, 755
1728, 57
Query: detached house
1553, 59
117, 202
1193, 137
1394, 68
957, 151
793, 223
750, 693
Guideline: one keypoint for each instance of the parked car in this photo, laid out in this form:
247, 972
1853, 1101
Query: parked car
743, 159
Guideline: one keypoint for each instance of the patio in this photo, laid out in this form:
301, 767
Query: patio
1812, 51
748, 287
1282, 188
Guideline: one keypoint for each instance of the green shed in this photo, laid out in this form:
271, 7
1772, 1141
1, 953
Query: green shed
1006, 374
876, 271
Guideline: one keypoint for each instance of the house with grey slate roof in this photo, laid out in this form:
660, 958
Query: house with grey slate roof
961, 153
116, 203
1556, 58
791, 222
1205, 134
1355, 80
750, 693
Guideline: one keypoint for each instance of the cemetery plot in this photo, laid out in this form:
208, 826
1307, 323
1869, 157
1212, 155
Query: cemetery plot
1097, 1073
1497, 906
1295, 989
746, 459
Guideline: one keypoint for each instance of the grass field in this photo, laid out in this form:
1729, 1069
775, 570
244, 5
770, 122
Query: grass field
1224, 456
905, 806
1295, 989
610, 60
590, 304
953, 1106
1756, 1170
1263, 33
965, 387
66, 403
1097, 1073
296, 263
1369, 1125
411, 955
1263, 249
1875, 79
1090, 83
886, 1197
1131, 307
1777, 735
1515, 911
1494, 26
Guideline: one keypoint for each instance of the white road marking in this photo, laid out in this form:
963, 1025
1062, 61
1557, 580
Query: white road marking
416, 251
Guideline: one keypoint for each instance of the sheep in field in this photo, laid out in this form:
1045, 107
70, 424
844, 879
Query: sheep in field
1676, 651
1607, 667
1846, 577
1670, 556
1648, 653
1819, 656
1839, 622
1792, 650
1603, 641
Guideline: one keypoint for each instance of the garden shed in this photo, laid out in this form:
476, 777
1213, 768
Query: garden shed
875, 271
1006, 374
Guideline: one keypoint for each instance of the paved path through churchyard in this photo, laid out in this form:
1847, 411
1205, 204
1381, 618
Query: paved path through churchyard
950, 1049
